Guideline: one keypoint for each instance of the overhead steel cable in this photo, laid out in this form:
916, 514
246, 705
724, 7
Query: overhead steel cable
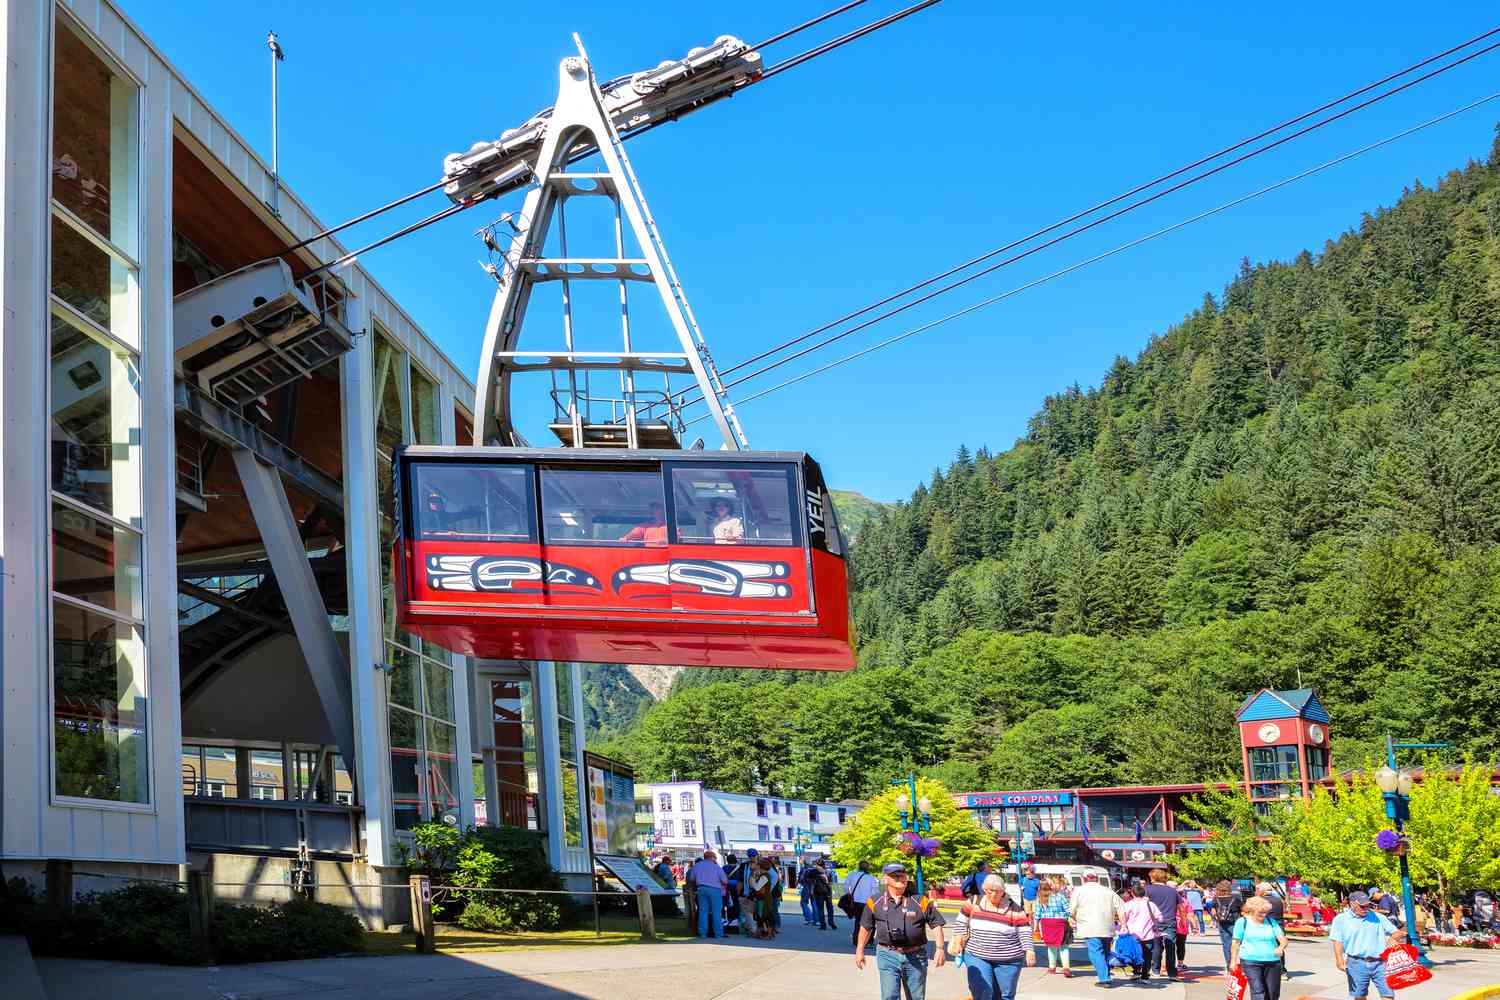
348, 258
988, 255
1122, 248
844, 39
627, 134
404, 200
1069, 234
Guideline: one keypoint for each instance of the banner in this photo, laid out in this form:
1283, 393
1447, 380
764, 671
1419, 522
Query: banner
1402, 968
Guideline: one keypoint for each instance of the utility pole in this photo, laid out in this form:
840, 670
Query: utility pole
277, 55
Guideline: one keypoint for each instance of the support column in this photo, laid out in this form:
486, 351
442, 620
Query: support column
299, 589
547, 750
372, 757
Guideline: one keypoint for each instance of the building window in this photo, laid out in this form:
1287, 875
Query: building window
762, 832
760, 807
812, 813
843, 815
568, 751
513, 718
775, 807
665, 798
787, 808
777, 833
1317, 763
426, 419
423, 736
665, 826
687, 801
99, 697
689, 828
266, 793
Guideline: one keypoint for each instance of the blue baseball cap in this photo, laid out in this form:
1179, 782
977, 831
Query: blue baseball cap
752, 853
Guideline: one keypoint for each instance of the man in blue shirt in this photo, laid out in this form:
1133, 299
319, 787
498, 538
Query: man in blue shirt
1029, 886
1359, 936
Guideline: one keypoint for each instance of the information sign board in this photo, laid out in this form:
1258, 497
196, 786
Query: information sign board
631, 872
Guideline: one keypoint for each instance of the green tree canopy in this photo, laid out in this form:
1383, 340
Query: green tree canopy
871, 835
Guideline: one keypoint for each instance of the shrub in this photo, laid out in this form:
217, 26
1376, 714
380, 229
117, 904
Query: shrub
297, 929
490, 858
18, 906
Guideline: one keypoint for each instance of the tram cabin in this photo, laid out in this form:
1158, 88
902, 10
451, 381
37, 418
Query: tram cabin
705, 559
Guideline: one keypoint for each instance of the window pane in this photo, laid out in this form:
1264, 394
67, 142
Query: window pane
406, 768
99, 706
94, 140
95, 561
463, 428
266, 775
424, 409
93, 282
732, 505
477, 503
401, 683
439, 689
441, 762
96, 423
564, 674
572, 821
603, 505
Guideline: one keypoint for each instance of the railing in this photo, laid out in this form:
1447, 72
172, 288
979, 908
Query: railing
191, 609
272, 826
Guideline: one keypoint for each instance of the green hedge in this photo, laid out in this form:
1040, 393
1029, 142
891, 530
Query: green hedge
486, 857
148, 922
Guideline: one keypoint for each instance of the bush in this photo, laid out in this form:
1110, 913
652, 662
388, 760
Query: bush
488, 857
18, 906
297, 929
147, 922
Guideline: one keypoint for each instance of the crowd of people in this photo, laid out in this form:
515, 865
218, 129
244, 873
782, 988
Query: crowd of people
1131, 936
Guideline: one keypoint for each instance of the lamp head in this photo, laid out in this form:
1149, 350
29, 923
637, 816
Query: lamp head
903, 802
924, 804
1387, 779
1403, 782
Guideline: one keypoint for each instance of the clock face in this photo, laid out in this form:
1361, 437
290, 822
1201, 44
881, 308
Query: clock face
1270, 733
1315, 733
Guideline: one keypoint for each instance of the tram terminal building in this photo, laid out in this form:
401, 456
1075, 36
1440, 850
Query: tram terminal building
202, 664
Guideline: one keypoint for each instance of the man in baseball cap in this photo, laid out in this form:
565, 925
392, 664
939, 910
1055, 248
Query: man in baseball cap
1359, 935
899, 924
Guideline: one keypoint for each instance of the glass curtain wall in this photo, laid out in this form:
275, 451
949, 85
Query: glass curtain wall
99, 697
423, 737
567, 747
517, 771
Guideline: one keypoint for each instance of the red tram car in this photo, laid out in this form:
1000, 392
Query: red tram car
692, 558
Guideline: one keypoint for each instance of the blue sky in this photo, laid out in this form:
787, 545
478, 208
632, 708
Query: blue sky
863, 171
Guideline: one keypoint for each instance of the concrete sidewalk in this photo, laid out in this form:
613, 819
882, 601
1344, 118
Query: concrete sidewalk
803, 962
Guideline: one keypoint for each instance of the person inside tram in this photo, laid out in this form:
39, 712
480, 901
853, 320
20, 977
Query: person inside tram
435, 516
653, 532
725, 525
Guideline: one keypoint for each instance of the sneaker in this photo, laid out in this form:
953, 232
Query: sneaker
1051, 971
1067, 973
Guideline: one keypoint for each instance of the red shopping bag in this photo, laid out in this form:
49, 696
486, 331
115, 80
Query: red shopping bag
1238, 987
1402, 969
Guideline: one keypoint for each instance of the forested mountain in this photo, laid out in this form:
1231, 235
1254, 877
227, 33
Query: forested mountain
1296, 484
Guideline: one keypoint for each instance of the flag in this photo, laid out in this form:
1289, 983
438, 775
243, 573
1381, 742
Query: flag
1139, 831
1040, 833
1085, 824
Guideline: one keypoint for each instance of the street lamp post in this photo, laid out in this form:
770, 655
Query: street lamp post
918, 821
1395, 786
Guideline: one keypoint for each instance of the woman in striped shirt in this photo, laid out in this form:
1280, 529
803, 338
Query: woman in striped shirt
996, 937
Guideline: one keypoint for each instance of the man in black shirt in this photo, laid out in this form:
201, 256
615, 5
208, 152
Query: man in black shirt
899, 925
1164, 947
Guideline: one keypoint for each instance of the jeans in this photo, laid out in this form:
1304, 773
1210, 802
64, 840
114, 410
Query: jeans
898, 969
1163, 953
1099, 957
824, 909
1226, 938
1264, 979
1198, 914
710, 912
1364, 971
809, 908
992, 980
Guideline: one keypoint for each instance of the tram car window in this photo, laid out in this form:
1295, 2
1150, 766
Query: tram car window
731, 505
603, 507
476, 503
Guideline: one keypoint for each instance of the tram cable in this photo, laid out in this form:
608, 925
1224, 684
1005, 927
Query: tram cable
1122, 248
951, 286
628, 134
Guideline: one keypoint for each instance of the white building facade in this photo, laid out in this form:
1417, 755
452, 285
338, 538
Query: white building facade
687, 818
200, 659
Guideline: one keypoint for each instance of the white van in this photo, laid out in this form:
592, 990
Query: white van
1074, 875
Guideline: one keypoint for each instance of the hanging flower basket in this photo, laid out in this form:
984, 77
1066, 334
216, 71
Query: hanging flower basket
912, 843
1392, 842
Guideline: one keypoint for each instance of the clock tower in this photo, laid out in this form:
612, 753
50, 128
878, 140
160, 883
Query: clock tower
1283, 743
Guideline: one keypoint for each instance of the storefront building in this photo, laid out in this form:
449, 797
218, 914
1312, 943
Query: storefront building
685, 819
200, 659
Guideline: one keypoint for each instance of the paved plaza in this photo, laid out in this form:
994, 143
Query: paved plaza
804, 962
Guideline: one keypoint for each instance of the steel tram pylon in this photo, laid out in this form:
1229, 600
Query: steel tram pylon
641, 412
